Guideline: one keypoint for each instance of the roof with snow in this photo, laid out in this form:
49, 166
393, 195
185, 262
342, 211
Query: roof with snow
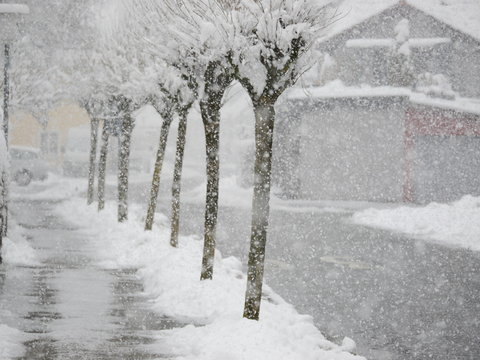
462, 15
336, 90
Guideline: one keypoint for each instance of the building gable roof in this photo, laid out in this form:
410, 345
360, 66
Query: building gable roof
462, 15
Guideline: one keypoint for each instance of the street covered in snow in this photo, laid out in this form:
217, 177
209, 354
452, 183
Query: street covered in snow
240, 180
93, 288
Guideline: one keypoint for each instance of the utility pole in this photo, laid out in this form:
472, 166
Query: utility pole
9, 15
4, 177
6, 91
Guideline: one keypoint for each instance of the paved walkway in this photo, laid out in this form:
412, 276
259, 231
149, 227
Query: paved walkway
71, 308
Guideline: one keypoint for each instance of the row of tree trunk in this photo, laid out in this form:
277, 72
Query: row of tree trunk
124, 138
210, 107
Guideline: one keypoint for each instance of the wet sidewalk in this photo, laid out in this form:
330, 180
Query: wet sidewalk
69, 307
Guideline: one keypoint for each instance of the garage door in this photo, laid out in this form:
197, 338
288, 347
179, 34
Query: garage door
446, 167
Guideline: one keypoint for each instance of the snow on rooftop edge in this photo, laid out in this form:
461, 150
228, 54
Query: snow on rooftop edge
352, 12
462, 15
471, 106
14, 9
336, 89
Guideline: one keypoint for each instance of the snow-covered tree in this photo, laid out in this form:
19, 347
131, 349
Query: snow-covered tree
183, 105
266, 54
117, 83
279, 34
149, 24
37, 80
216, 44
204, 33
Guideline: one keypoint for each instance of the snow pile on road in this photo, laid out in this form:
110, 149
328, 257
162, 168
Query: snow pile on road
456, 223
11, 342
16, 250
171, 278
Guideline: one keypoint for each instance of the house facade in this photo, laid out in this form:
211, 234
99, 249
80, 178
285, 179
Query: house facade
393, 111
49, 137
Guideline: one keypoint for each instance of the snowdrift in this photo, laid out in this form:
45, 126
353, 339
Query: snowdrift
213, 308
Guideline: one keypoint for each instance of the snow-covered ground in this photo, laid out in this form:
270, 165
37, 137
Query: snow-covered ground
171, 278
231, 194
54, 188
11, 342
16, 250
455, 224
214, 309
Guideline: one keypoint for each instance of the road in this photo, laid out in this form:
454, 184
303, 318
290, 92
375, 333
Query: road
70, 308
398, 298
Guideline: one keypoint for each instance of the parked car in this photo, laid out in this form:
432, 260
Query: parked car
26, 165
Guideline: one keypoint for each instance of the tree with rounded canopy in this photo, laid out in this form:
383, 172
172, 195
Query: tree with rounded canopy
267, 53
279, 35
146, 25
205, 31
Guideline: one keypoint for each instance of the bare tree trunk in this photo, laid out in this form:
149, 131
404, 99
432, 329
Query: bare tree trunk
211, 122
152, 204
93, 155
264, 121
177, 177
3, 208
217, 79
123, 162
102, 167
6, 91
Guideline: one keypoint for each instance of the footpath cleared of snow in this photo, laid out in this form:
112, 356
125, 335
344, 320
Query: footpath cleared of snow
456, 223
171, 278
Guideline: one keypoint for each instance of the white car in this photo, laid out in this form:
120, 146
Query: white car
26, 165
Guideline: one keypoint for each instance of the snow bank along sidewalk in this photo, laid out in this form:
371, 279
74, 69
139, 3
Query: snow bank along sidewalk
171, 278
11, 342
16, 251
456, 223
